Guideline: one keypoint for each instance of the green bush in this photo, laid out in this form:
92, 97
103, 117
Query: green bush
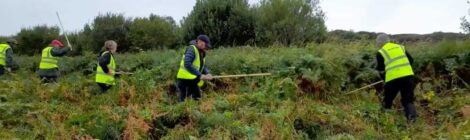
33, 40
289, 22
227, 22
109, 27
154, 32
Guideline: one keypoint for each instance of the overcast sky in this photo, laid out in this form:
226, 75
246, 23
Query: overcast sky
390, 16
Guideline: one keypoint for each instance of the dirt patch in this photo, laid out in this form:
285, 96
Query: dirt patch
310, 128
465, 112
171, 90
223, 85
161, 125
307, 86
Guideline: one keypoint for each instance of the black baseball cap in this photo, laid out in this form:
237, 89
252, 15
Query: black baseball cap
206, 40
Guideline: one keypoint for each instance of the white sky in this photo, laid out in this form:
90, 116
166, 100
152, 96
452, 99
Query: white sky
395, 16
390, 16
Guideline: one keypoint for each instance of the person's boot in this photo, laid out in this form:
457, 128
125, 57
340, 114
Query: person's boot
411, 119
410, 112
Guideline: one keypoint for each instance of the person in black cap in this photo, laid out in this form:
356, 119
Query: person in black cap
192, 70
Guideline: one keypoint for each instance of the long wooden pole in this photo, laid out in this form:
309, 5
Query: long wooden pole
368, 86
63, 30
242, 75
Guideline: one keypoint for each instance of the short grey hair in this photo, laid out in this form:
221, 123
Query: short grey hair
382, 39
109, 44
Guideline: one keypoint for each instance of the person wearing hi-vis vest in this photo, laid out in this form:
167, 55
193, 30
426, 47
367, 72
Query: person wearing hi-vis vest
6, 55
192, 70
48, 67
106, 69
394, 64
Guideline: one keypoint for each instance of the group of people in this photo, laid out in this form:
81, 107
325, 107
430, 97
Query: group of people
48, 68
394, 64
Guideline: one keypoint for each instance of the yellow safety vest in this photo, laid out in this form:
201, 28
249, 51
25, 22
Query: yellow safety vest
102, 77
396, 62
47, 60
3, 53
185, 74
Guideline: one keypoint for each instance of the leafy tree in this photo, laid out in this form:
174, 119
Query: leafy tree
227, 22
33, 40
290, 22
155, 32
109, 27
80, 42
465, 24
3, 39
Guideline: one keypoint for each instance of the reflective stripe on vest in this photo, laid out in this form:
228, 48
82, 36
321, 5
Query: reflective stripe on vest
104, 78
183, 73
396, 62
3, 53
47, 60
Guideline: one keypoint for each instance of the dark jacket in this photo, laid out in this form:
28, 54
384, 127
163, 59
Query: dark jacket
381, 63
189, 57
104, 60
8, 61
56, 52
9, 58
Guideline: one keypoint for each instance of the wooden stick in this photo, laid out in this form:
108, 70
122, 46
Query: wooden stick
463, 81
63, 30
368, 86
124, 73
242, 75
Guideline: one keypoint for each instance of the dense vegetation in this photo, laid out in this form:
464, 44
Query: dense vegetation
304, 99
227, 22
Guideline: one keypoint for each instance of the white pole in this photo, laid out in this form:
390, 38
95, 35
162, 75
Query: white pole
63, 30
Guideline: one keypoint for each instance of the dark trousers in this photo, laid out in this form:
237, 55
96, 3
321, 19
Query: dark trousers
188, 88
48, 79
104, 87
2, 70
406, 88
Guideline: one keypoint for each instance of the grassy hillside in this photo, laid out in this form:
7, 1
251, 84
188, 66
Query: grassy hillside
304, 99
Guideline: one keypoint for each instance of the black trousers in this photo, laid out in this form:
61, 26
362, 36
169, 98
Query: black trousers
2, 70
104, 87
188, 88
405, 86
48, 79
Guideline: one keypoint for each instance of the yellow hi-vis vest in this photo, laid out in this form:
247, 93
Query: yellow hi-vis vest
102, 77
3, 53
185, 74
47, 60
396, 62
